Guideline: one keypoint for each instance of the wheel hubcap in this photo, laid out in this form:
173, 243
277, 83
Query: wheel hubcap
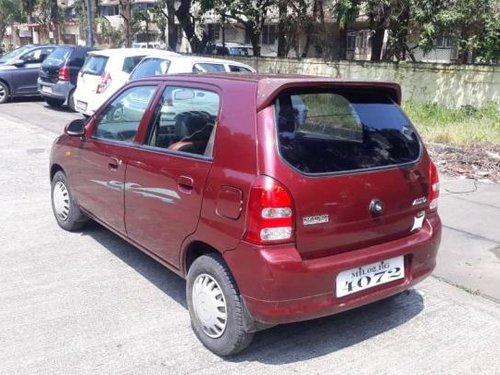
60, 197
209, 305
2, 93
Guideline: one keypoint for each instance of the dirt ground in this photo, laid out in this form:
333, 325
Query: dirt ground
480, 162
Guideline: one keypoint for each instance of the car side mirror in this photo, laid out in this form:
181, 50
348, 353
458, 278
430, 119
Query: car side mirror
76, 128
18, 63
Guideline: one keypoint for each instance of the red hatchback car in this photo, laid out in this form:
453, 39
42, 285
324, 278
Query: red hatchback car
278, 198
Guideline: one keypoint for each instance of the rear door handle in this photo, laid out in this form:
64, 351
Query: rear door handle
114, 163
185, 184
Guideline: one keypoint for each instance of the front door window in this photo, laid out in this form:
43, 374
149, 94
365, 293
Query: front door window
121, 118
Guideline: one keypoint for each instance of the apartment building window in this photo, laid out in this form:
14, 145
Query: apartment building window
213, 32
443, 41
351, 41
109, 10
269, 34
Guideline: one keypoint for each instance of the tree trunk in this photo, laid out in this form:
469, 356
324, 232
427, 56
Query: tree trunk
187, 23
282, 42
254, 39
343, 44
126, 14
377, 43
172, 30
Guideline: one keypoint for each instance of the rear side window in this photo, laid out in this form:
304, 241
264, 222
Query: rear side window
150, 67
59, 56
130, 62
236, 68
208, 68
95, 64
328, 132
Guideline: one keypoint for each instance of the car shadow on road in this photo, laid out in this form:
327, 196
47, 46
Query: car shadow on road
164, 279
287, 343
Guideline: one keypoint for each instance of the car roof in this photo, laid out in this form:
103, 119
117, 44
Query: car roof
153, 52
269, 85
119, 52
189, 59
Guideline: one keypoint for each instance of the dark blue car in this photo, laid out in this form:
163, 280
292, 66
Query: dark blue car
19, 70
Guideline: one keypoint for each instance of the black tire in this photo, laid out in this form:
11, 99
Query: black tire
54, 102
71, 101
69, 217
234, 338
4, 92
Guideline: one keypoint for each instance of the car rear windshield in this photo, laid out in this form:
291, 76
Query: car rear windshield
59, 56
331, 132
94, 64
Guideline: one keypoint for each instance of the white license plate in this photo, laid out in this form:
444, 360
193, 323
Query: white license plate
370, 275
47, 89
81, 105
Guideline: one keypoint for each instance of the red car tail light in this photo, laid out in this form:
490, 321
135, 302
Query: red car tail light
64, 73
270, 216
104, 82
434, 186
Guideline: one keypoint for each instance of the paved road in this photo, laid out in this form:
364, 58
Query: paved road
89, 302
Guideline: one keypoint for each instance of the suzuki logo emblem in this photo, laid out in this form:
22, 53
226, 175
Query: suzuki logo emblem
376, 207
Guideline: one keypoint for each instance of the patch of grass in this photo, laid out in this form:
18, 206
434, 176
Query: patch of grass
463, 126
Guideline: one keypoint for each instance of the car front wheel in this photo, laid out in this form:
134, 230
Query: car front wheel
215, 306
64, 207
4, 92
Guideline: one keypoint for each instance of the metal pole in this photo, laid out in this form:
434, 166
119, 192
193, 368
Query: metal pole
90, 32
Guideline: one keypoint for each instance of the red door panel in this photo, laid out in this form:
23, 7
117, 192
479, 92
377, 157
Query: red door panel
100, 181
163, 196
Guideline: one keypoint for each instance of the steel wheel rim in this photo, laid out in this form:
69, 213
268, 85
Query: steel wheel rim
2, 93
209, 305
60, 197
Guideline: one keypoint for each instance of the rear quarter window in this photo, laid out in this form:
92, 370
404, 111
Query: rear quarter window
150, 67
208, 68
94, 64
331, 132
129, 63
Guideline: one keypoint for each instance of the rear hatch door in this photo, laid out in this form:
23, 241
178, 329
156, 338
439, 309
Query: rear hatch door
49, 71
356, 168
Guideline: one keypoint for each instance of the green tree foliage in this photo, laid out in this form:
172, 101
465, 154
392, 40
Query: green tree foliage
252, 14
473, 26
10, 11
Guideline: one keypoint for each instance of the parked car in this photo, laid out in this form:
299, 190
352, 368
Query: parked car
232, 49
269, 222
103, 73
167, 64
19, 70
59, 73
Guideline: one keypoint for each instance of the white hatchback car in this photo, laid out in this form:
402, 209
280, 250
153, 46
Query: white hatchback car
156, 64
104, 72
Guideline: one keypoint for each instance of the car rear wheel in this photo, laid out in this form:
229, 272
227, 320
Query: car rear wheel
215, 306
54, 102
71, 101
4, 92
67, 213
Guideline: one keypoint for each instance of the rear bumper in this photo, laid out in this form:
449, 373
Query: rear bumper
278, 286
59, 90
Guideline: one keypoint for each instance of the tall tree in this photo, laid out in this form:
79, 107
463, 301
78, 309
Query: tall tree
187, 21
252, 14
10, 11
50, 15
28, 7
165, 19
126, 14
